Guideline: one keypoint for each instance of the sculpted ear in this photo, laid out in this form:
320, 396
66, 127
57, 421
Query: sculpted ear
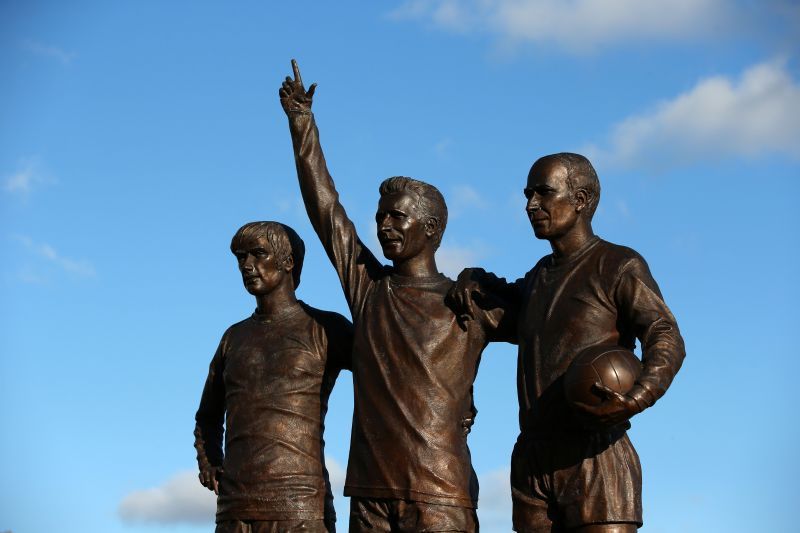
288, 263
582, 199
431, 227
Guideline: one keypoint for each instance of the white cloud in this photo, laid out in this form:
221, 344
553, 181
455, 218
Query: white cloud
336, 474
462, 198
442, 148
576, 25
494, 503
758, 114
451, 260
180, 499
53, 52
28, 176
73, 266
183, 500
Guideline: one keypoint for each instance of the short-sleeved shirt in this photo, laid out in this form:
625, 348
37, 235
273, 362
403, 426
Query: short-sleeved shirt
270, 381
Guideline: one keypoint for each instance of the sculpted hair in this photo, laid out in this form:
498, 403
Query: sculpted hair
430, 202
284, 241
580, 175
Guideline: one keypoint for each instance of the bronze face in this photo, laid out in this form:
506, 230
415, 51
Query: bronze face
401, 233
551, 207
261, 270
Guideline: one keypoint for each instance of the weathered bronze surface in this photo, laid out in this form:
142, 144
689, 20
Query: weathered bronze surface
269, 382
413, 364
573, 466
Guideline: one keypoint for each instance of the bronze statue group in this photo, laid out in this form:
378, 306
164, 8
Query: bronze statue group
413, 348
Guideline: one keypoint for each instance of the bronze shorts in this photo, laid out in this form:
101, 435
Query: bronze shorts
275, 526
573, 480
378, 515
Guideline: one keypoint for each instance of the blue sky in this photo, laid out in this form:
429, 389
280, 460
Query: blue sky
136, 138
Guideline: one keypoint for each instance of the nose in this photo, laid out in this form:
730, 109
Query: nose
247, 264
533, 203
383, 223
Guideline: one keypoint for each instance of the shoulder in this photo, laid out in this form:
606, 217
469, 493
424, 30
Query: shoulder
541, 263
618, 258
329, 321
236, 328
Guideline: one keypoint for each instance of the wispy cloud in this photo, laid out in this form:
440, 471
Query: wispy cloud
180, 499
336, 474
48, 51
46, 251
28, 176
451, 260
464, 198
442, 148
577, 25
757, 114
494, 505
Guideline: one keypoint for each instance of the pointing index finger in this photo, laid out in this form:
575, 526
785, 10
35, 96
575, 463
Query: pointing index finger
296, 69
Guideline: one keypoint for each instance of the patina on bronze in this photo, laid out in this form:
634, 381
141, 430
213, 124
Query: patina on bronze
573, 467
413, 365
269, 382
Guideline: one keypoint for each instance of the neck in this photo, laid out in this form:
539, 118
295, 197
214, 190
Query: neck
571, 242
419, 266
277, 301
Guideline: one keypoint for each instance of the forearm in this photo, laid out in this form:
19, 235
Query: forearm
662, 356
644, 310
210, 417
316, 185
336, 231
208, 443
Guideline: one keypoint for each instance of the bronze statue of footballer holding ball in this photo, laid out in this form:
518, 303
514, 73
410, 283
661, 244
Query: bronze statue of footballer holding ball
573, 467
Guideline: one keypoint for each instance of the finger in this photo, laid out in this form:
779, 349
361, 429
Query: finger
607, 392
296, 69
283, 93
216, 487
585, 407
470, 307
311, 90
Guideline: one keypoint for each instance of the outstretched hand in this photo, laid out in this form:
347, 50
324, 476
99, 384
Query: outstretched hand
614, 409
294, 97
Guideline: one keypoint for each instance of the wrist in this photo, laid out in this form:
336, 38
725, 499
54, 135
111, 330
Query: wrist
642, 396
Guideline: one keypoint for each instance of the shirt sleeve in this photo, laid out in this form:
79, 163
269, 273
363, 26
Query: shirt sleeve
642, 310
340, 343
354, 263
210, 417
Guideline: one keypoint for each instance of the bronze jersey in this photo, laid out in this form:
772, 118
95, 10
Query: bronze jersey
270, 381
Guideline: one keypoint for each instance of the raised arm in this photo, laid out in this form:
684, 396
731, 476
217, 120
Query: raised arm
354, 263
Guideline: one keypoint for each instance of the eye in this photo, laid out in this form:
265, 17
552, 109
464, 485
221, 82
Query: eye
528, 193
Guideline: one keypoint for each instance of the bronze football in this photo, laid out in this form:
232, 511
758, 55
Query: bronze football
615, 367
